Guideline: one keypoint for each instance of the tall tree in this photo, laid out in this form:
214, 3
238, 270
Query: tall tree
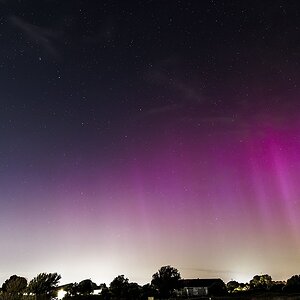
232, 285
44, 284
166, 280
261, 282
86, 287
14, 287
293, 284
72, 289
119, 287
134, 291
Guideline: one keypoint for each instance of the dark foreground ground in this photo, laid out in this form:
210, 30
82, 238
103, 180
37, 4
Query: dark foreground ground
249, 297
231, 297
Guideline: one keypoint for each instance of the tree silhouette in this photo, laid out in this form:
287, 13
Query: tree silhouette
134, 291
72, 289
232, 285
86, 287
119, 287
14, 287
262, 282
105, 292
293, 284
148, 290
166, 280
44, 284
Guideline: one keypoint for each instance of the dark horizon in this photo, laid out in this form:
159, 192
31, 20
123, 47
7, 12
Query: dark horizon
166, 283
62, 282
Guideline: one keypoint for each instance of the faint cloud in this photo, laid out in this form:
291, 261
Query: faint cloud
44, 37
183, 94
207, 270
63, 34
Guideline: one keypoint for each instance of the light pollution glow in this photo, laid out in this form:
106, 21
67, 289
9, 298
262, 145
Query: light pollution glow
212, 205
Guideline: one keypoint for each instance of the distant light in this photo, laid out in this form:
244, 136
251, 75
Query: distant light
97, 292
60, 294
242, 278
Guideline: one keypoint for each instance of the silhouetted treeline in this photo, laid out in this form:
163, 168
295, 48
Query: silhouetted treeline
165, 284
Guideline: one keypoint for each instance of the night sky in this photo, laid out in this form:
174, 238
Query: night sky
136, 134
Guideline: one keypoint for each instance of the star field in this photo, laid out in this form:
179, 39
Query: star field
136, 134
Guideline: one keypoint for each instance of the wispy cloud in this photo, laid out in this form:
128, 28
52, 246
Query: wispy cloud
207, 270
44, 37
165, 76
52, 39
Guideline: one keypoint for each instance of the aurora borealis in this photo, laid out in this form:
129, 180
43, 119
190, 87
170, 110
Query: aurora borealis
136, 134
